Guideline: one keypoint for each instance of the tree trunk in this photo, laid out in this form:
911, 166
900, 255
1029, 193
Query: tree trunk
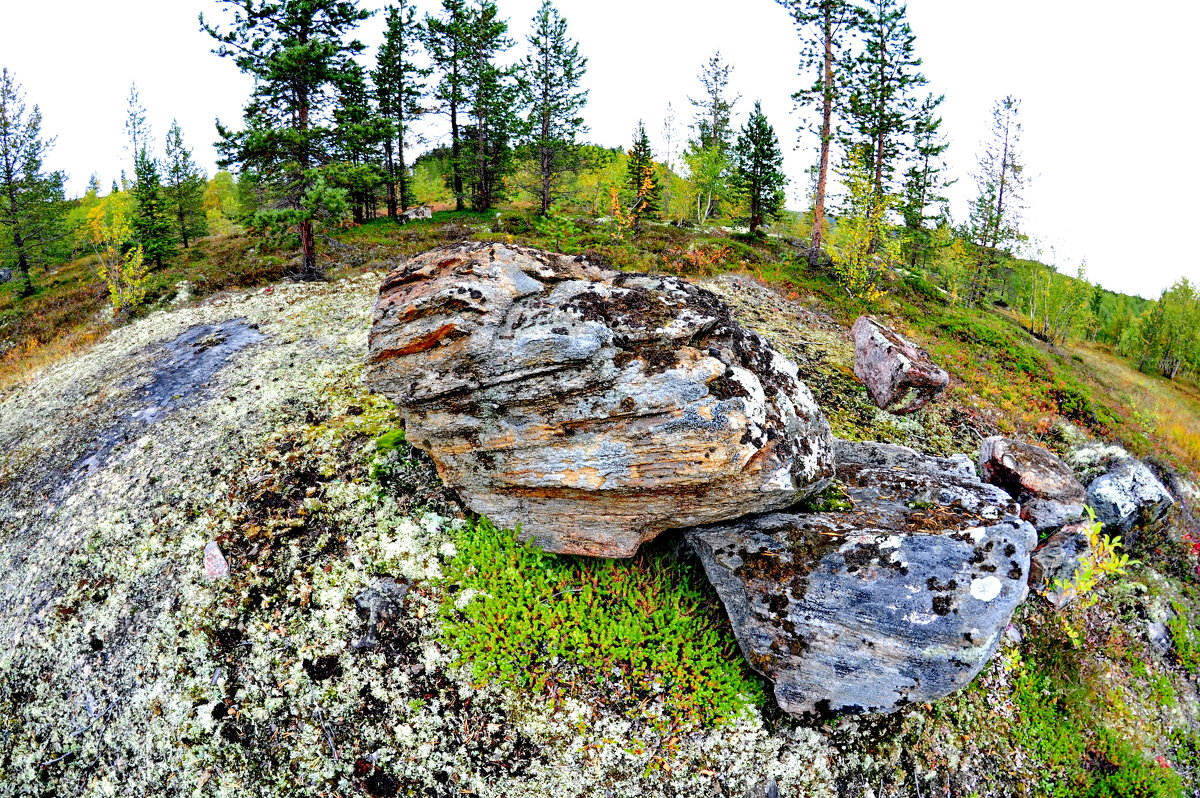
390, 166
456, 153
818, 231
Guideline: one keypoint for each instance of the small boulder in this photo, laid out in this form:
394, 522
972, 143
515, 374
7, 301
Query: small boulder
901, 600
593, 408
215, 565
1045, 486
420, 212
899, 375
1054, 566
6, 276
1129, 496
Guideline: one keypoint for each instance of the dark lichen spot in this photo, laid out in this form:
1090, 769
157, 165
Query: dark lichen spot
943, 605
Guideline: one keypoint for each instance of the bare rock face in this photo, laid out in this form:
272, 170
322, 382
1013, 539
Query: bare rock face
1050, 495
592, 407
1053, 567
1127, 497
902, 599
899, 375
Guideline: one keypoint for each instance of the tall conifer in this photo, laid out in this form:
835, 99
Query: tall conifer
299, 54
399, 90
758, 170
184, 185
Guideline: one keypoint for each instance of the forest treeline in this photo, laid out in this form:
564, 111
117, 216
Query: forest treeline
331, 135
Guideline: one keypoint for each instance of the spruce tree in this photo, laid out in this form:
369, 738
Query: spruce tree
714, 109
924, 182
399, 90
994, 224
640, 178
153, 226
30, 198
491, 95
824, 27
758, 170
550, 91
184, 185
707, 154
359, 135
447, 39
299, 54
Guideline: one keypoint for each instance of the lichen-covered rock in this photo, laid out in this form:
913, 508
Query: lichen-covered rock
380, 606
1046, 487
1129, 496
899, 375
419, 212
1054, 566
902, 599
593, 408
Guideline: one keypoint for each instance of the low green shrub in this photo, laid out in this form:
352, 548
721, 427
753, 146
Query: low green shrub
644, 635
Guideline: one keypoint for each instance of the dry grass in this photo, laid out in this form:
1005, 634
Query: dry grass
1169, 410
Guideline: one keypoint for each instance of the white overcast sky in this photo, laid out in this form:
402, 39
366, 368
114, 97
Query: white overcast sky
1108, 96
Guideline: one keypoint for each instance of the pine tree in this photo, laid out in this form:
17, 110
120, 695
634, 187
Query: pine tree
880, 102
298, 54
399, 90
924, 182
550, 91
30, 199
641, 180
448, 42
491, 95
823, 26
184, 186
758, 170
153, 227
995, 213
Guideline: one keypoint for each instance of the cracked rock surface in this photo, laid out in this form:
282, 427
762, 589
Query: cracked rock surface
902, 599
593, 408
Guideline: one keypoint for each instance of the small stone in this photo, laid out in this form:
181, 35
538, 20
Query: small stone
421, 212
1047, 489
215, 565
381, 605
1054, 566
899, 375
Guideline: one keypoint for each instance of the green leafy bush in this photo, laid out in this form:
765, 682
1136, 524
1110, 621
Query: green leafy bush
640, 635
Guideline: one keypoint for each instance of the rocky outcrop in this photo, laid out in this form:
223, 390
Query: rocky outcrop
1045, 486
593, 408
1129, 496
902, 599
899, 375
420, 212
1054, 567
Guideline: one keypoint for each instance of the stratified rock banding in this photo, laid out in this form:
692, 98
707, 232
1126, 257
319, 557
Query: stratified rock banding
594, 408
902, 599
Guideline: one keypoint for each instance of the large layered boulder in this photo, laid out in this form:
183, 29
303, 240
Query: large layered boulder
1128, 497
1050, 495
902, 599
899, 375
591, 407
